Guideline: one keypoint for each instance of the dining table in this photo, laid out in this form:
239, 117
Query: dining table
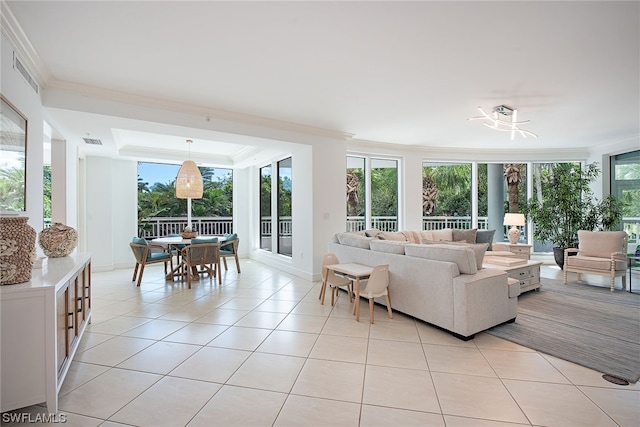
177, 243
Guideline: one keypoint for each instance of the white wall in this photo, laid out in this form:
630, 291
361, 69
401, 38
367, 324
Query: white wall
16, 90
111, 211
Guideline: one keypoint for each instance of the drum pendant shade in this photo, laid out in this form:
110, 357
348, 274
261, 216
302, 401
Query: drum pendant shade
189, 181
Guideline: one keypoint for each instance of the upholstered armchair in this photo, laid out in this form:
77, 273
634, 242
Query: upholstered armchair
599, 252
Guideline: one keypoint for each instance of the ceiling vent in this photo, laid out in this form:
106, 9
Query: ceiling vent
92, 141
24, 73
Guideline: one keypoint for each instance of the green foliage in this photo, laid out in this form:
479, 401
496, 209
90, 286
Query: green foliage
454, 189
568, 205
46, 190
384, 191
160, 199
12, 189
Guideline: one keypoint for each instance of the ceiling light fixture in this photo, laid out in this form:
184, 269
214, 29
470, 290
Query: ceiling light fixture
189, 182
495, 122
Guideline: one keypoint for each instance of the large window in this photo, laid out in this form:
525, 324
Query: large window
625, 184
160, 213
284, 207
265, 208
446, 195
372, 193
276, 203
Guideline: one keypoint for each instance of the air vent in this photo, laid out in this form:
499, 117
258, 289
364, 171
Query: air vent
92, 141
24, 73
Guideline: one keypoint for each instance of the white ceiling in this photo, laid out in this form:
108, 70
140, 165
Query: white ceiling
396, 72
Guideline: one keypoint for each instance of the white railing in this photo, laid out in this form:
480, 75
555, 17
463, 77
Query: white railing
163, 226
390, 223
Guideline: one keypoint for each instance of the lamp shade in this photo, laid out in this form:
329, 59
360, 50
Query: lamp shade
514, 219
189, 181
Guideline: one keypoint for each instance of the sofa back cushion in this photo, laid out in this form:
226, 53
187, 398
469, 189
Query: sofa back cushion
479, 249
353, 239
388, 246
601, 244
462, 256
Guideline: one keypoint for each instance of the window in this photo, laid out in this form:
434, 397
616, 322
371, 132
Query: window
284, 207
160, 213
265, 208
372, 194
625, 184
276, 202
446, 195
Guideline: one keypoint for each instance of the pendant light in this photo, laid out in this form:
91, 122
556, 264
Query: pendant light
189, 179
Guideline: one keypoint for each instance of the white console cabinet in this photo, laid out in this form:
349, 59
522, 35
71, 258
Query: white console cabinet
41, 323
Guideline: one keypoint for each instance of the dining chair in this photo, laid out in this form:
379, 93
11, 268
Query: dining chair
145, 254
376, 286
229, 248
201, 256
334, 281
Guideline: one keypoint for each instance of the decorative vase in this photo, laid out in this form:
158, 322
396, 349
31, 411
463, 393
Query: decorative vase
59, 240
17, 250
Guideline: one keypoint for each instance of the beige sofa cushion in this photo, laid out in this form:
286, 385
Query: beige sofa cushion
462, 256
353, 239
479, 250
388, 246
595, 263
600, 243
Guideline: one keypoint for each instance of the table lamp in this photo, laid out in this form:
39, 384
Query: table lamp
514, 220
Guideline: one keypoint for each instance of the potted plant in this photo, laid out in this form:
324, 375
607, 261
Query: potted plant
566, 204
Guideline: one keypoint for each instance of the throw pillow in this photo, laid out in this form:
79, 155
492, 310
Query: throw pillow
468, 236
485, 236
445, 234
386, 235
372, 232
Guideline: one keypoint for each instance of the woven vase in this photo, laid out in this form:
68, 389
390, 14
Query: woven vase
59, 240
17, 250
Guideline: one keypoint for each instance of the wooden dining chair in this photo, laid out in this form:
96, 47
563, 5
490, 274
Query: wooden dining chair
145, 254
229, 248
201, 257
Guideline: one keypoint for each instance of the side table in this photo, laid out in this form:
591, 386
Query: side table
527, 273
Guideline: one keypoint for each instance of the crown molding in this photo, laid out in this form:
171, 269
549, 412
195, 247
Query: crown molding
207, 113
12, 30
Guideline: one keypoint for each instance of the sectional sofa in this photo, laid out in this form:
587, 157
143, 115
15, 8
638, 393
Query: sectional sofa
437, 280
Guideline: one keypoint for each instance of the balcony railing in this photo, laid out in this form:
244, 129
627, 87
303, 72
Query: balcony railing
162, 226
390, 223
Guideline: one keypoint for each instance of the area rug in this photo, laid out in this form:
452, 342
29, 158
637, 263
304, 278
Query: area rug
584, 324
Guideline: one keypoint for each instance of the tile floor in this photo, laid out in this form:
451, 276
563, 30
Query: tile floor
262, 351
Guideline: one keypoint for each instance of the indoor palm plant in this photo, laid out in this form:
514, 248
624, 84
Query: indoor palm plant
566, 204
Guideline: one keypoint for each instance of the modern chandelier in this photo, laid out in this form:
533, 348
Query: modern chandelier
496, 121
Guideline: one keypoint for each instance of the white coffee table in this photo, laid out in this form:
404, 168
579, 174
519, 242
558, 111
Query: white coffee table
527, 273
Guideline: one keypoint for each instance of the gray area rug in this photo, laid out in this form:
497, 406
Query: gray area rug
586, 325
